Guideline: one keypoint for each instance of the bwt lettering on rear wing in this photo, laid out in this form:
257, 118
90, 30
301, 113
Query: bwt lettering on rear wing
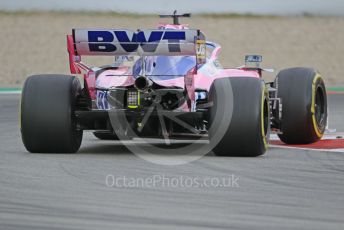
142, 43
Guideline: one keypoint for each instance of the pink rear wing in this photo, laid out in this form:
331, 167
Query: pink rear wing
90, 42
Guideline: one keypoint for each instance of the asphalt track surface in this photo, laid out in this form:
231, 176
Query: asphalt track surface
284, 189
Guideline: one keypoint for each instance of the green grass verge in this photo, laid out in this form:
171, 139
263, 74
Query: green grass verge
9, 89
336, 89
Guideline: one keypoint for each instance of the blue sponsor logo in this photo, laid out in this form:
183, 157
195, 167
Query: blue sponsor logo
102, 100
102, 41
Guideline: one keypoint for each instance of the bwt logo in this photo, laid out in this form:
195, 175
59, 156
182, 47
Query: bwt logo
102, 41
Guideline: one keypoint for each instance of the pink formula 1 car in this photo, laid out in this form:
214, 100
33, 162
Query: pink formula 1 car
168, 83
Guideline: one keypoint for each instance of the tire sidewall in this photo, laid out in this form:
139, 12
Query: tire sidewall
245, 135
47, 120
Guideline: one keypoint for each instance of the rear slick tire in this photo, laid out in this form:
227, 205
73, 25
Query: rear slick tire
48, 123
249, 127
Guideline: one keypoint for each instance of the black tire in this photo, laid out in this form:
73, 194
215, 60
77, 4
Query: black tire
105, 135
48, 124
249, 127
304, 105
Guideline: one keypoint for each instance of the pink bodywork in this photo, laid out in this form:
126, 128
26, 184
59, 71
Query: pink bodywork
200, 79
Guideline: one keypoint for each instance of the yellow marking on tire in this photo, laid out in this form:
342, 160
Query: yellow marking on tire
315, 125
262, 117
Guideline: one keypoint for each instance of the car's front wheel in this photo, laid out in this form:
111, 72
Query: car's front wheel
304, 105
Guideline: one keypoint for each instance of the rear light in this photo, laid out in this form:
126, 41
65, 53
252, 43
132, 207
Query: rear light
133, 99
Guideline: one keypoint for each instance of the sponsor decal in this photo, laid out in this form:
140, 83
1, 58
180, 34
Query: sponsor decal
201, 51
102, 41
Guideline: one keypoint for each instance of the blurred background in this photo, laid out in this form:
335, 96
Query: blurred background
280, 7
287, 33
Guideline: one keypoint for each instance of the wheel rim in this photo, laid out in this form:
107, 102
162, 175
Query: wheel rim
266, 117
320, 109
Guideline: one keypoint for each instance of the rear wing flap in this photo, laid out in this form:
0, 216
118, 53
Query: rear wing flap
143, 43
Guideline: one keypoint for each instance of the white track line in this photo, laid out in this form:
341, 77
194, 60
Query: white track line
309, 149
327, 136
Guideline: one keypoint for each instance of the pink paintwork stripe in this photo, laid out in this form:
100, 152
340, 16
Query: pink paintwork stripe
335, 92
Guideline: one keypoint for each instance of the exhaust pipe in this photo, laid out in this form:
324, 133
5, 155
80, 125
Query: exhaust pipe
143, 83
